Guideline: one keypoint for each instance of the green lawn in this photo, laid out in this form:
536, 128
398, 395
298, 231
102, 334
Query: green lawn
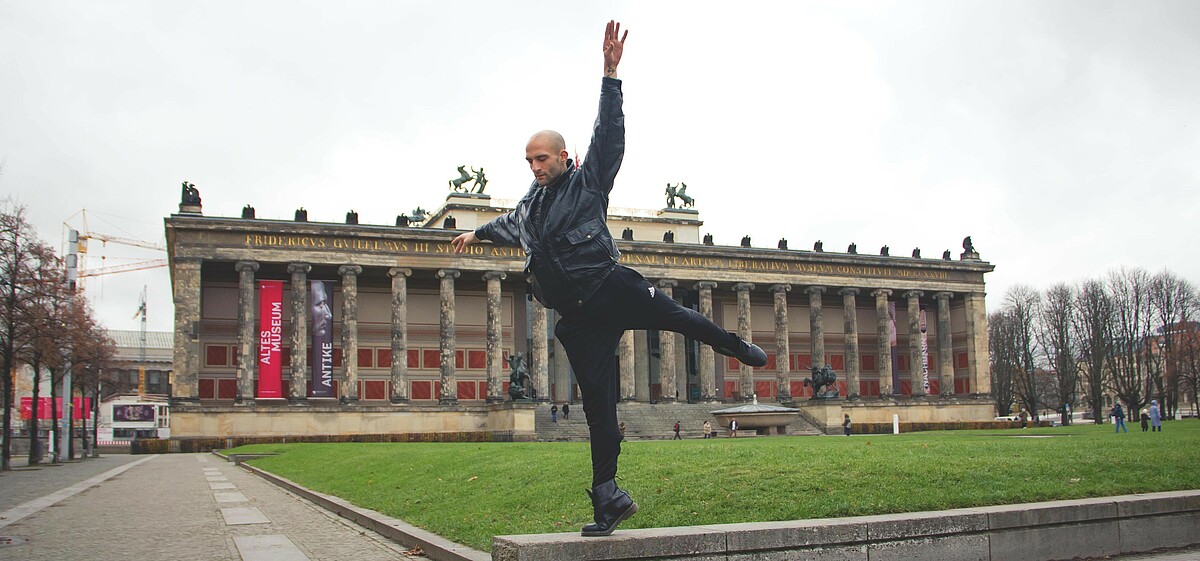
470, 492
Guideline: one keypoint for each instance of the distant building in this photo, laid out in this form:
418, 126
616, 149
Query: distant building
157, 364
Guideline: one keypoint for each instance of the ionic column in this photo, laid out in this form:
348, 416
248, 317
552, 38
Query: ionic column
915, 364
666, 351
626, 360
641, 366
745, 373
783, 366
816, 327
246, 331
399, 364
885, 341
537, 362
297, 387
349, 389
449, 339
945, 344
186, 359
977, 343
850, 317
495, 337
708, 373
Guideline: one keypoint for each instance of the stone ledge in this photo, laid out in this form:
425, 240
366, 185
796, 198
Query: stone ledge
1049, 530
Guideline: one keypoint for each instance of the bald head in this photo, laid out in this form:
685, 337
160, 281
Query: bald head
546, 153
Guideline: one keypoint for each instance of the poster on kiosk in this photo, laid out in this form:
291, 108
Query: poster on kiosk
270, 339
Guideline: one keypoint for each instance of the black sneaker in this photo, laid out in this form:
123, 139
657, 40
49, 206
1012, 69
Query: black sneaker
749, 353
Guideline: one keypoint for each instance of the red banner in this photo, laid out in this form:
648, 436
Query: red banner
270, 339
83, 406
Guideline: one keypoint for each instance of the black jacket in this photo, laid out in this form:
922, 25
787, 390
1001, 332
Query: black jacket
572, 253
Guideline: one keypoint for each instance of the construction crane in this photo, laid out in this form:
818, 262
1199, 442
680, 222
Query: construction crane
141, 311
86, 235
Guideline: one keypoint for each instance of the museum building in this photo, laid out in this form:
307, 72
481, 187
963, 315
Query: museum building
290, 327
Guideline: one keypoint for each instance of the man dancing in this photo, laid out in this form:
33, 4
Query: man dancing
571, 259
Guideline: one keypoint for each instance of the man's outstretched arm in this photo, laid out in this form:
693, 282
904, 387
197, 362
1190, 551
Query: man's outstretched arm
613, 48
607, 150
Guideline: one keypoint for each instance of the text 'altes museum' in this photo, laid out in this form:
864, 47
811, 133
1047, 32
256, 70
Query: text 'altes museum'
288, 328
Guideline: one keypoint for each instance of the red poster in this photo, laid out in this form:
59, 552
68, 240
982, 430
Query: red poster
270, 339
83, 407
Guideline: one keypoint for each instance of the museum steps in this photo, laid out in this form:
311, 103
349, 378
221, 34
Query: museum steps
647, 421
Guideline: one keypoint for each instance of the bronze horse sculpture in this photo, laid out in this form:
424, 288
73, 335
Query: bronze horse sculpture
823, 377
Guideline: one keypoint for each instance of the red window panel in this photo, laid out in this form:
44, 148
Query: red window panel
414, 358
366, 358
226, 389
437, 389
375, 389
960, 360
902, 363
216, 355
838, 363
935, 387
466, 390
431, 359
285, 357
385, 358
868, 362
764, 388
962, 385
731, 388
841, 386
234, 354
483, 390
731, 364
422, 389
208, 388
770, 365
337, 357
868, 388
505, 387
460, 358
905, 387
476, 359
505, 359
803, 361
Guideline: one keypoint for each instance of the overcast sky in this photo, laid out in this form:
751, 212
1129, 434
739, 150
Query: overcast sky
1062, 136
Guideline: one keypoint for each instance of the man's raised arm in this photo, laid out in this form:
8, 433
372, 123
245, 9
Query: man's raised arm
607, 150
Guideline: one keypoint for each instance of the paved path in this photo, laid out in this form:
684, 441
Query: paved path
170, 507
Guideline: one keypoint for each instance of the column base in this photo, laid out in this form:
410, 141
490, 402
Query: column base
399, 400
348, 400
240, 402
448, 401
298, 401
185, 401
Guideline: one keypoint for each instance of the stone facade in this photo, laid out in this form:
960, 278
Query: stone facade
423, 335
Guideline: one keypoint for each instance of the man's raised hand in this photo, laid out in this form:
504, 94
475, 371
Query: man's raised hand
463, 240
613, 47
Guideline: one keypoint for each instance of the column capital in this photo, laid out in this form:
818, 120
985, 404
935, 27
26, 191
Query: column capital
943, 295
706, 284
815, 290
245, 265
778, 288
497, 275
848, 291
667, 283
448, 273
743, 286
397, 271
913, 294
349, 270
885, 292
299, 268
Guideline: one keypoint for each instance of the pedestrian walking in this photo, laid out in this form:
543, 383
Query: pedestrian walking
707, 429
733, 426
846, 424
554, 413
1155, 416
676, 437
1118, 415
567, 411
573, 266
1145, 421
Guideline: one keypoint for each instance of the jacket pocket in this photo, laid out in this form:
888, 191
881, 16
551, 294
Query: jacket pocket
584, 232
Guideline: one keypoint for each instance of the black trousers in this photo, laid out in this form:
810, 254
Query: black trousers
591, 333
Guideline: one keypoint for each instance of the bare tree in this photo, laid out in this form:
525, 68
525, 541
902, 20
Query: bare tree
1022, 302
1187, 359
1059, 342
1174, 303
17, 272
45, 306
1129, 358
1093, 325
1003, 358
